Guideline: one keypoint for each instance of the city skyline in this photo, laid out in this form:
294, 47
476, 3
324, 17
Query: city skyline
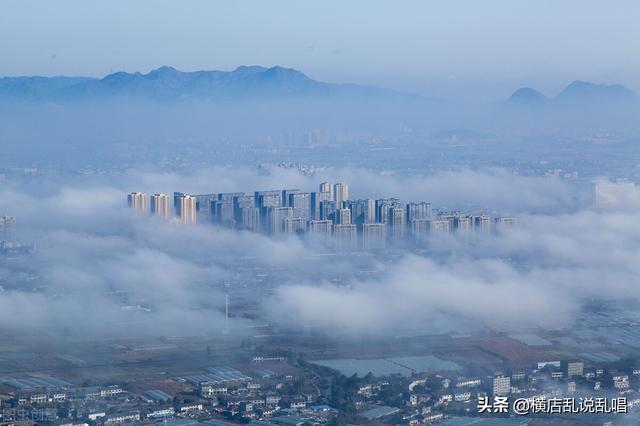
326, 215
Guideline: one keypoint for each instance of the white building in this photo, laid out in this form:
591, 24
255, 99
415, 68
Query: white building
186, 209
340, 193
326, 187
501, 385
160, 205
138, 201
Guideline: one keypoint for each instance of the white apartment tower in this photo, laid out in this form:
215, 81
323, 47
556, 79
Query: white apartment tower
160, 205
138, 201
340, 193
186, 209
327, 188
343, 217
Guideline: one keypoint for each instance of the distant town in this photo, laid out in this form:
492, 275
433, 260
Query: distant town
286, 389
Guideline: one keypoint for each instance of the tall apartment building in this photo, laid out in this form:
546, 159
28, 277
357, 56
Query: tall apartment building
340, 193
327, 188
373, 235
321, 229
186, 209
275, 219
300, 202
160, 206
345, 237
138, 201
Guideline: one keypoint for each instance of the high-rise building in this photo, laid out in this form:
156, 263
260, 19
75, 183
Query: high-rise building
463, 223
300, 202
345, 237
449, 217
160, 206
315, 199
419, 210
327, 210
362, 211
295, 225
424, 228
284, 196
138, 201
343, 217
249, 219
243, 201
373, 236
382, 208
420, 228
222, 212
267, 199
186, 209
327, 188
275, 219
245, 213
321, 229
396, 223
264, 200
7, 228
340, 193
229, 196
482, 223
176, 200
203, 204
437, 226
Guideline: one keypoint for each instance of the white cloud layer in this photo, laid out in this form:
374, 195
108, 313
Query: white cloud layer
106, 270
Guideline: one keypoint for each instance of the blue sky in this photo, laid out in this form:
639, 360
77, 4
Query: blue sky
453, 49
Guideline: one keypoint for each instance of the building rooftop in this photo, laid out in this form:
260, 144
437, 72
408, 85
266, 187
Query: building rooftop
379, 412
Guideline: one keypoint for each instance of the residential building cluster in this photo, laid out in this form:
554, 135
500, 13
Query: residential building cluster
9, 245
328, 214
7, 228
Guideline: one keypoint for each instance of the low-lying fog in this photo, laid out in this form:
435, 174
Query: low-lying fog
100, 268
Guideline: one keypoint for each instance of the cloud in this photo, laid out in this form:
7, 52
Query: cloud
103, 269
538, 274
419, 294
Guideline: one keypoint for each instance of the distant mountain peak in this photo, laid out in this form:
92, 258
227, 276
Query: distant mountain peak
578, 93
583, 91
527, 96
163, 71
249, 69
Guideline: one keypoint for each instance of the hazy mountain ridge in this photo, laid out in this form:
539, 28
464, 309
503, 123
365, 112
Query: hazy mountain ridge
167, 83
34, 88
528, 96
256, 82
576, 93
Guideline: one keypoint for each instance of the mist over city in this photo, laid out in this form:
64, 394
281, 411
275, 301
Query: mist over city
288, 214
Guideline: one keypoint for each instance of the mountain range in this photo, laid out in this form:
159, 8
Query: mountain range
578, 92
167, 83
246, 82
250, 83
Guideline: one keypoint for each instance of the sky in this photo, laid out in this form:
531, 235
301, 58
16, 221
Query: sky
457, 49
